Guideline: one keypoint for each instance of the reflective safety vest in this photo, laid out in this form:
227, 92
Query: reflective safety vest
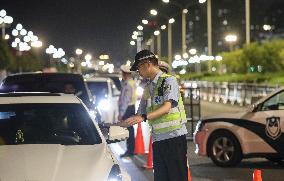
132, 83
168, 122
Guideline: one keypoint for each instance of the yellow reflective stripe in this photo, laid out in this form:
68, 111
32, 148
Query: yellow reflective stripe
166, 124
166, 130
167, 118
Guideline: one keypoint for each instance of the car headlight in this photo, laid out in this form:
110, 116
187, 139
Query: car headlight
139, 91
115, 173
104, 105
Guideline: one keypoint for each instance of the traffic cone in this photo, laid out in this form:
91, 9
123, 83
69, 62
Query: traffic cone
257, 175
188, 175
149, 158
139, 141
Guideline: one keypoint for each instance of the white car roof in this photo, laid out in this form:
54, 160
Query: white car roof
35, 97
98, 79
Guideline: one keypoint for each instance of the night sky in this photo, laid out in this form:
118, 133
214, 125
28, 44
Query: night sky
96, 26
101, 26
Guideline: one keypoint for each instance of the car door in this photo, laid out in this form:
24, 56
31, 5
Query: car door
268, 123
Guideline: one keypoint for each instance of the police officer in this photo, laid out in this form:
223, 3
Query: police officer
166, 116
127, 100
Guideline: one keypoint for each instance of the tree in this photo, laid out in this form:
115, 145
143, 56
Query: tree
233, 62
29, 62
6, 56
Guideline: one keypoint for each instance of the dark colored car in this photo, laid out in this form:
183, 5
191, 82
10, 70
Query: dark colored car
49, 82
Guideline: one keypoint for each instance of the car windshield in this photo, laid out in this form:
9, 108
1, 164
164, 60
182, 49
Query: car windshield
98, 89
66, 124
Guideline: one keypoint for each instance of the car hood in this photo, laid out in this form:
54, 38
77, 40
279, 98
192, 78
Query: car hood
55, 162
238, 115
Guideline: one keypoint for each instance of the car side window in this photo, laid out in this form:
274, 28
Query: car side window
274, 103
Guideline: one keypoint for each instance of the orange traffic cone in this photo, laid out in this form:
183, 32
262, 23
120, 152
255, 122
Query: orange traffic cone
257, 175
149, 158
188, 175
139, 141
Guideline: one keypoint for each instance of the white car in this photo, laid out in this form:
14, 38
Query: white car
46, 136
258, 132
106, 96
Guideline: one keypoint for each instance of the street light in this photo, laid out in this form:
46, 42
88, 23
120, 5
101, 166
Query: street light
36, 44
139, 27
78, 51
153, 12
19, 27
171, 21
145, 22
202, 1
192, 51
231, 39
158, 34
184, 11
185, 55
177, 57
267, 27
7, 37
163, 27
5, 21
88, 57
132, 42
134, 37
50, 50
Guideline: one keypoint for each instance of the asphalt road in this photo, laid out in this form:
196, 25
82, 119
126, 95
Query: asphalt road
202, 168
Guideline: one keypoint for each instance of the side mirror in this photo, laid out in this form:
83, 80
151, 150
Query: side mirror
116, 134
252, 108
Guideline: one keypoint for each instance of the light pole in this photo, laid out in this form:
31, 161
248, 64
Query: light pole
51, 50
158, 34
231, 39
139, 37
170, 43
5, 21
247, 21
170, 22
78, 52
209, 29
184, 11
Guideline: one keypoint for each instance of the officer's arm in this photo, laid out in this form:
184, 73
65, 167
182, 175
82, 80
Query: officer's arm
164, 109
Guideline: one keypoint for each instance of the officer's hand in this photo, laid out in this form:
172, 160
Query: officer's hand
122, 124
134, 120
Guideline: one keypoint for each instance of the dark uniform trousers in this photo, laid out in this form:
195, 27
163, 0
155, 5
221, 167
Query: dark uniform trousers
130, 111
170, 160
